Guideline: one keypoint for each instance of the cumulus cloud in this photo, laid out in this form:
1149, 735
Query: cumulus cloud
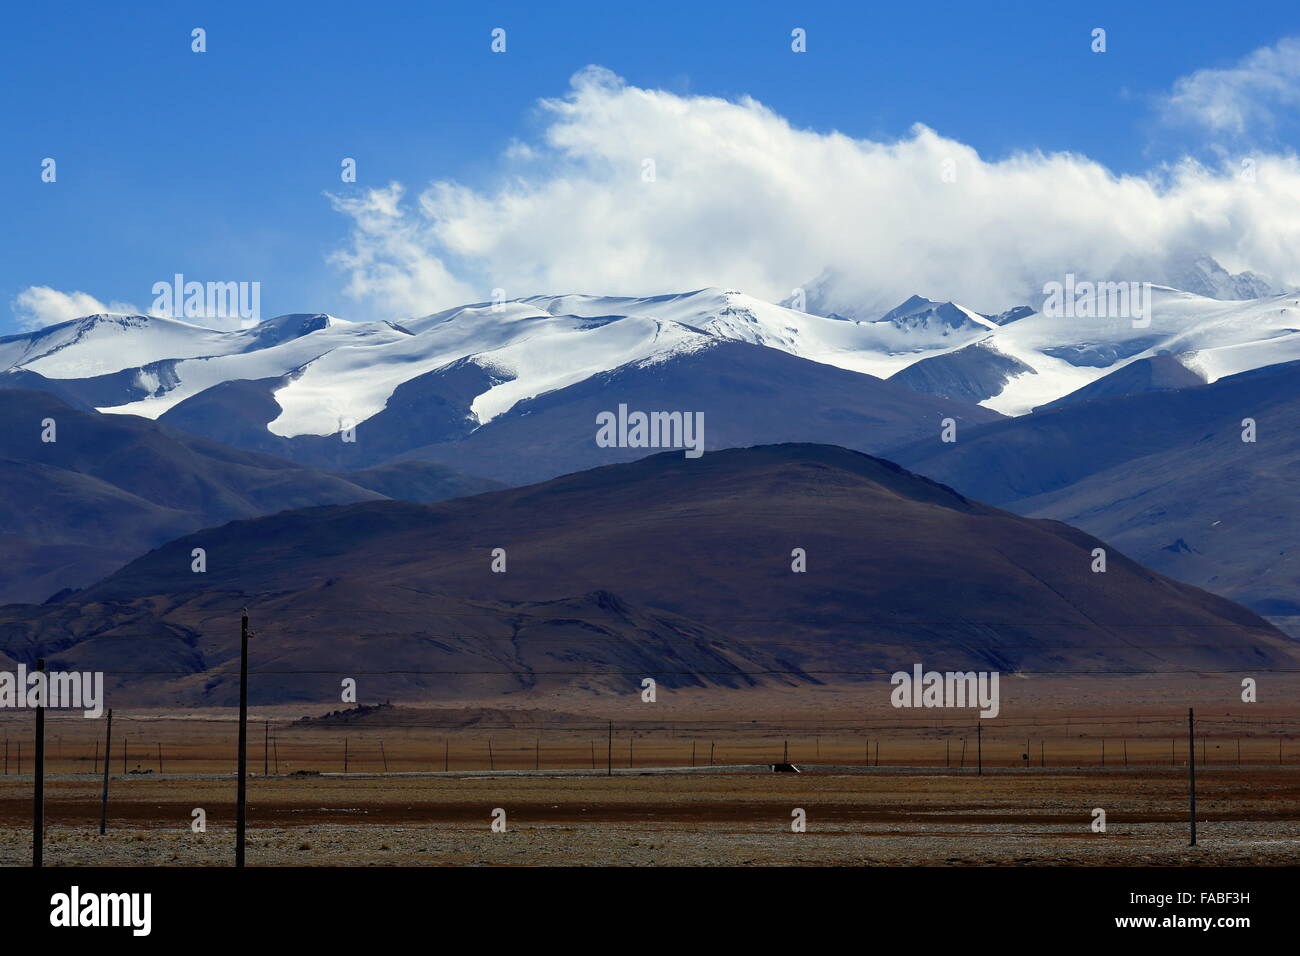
1244, 97
639, 191
38, 306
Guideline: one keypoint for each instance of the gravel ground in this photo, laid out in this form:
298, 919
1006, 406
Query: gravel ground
1248, 818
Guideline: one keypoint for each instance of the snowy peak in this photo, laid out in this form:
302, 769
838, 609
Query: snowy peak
320, 370
282, 328
1202, 275
925, 315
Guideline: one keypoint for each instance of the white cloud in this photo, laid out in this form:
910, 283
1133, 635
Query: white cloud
38, 306
1243, 97
743, 199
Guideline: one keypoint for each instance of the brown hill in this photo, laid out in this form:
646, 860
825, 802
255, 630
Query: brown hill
668, 568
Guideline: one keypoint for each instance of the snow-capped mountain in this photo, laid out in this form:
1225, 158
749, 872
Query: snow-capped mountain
324, 373
1202, 275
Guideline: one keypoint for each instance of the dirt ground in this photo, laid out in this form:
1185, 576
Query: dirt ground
1028, 817
880, 786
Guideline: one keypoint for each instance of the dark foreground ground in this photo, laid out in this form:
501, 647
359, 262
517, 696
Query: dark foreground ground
1248, 816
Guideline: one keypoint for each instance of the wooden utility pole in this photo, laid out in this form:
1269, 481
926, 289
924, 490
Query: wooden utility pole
103, 802
160, 769
345, 755
241, 792
38, 797
446, 755
266, 750
979, 743
1191, 771
383, 756
96, 770
712, 744
492, 763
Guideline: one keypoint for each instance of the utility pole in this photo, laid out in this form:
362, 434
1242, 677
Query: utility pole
979, 744
38, 799
266, 751
609, 752
241, 795
1191, 770
103, 803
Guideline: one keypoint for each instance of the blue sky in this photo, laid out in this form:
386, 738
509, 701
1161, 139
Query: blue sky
218, 165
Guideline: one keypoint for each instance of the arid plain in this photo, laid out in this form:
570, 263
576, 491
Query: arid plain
685, 781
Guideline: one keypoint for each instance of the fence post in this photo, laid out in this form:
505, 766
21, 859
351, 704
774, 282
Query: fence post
103, 802
38, 790
1191, 771
241, 792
